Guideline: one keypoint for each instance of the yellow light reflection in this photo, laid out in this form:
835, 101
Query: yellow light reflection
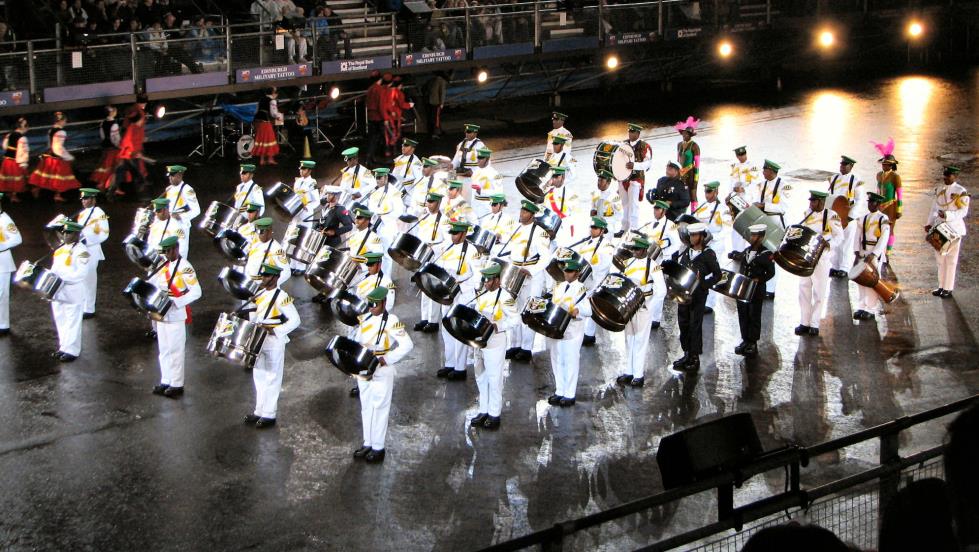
828, 124
914, 94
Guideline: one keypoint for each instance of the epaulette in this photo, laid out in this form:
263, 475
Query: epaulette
188, 270
398, 326
509, 302
287, 300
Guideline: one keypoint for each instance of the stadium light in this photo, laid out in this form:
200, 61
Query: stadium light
334, 93
915, 29
482, 76
160, 111
827, 39
725, 49
612, 62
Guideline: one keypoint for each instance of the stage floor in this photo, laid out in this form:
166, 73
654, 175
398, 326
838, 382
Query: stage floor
90, 459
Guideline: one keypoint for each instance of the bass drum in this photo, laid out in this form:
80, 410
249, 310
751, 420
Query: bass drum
681, 282
140, 253
736, 286
244, 146
546, 318
482, 239
549, 221
348, 307
753, 215
333, 272
232, 245
219, 216
39, 280
467, 325
351, 357
562, 254
436, 283
865, 274
512, 277
285, 198
236, 339
303, 242
410, 251
613, 157
236, 283
148, 299
615, 301
533, 179
800, 250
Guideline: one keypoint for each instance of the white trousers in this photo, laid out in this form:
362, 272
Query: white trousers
655, 303
636, 343
813, 291
868, 300
91, 286
5, 300
375, 406
520, 335
842, 255
429, 310
267, 375
170, 339
68, 322
489, 379
630, 205
947, 265
455, 350
565, 357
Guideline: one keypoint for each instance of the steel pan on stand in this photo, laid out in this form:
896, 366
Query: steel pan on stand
236, 339
615, 301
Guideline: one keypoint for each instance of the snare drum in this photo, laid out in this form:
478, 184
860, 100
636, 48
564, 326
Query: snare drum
148, 299
285, 198
942, 237
236, 339
38, 280
219, 216
546, 318
532, 180
613, 157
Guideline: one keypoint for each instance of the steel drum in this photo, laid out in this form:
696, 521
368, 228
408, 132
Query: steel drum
148, 299
232, 245
348, 307
681, 281
532, 180
236, 339
736, 203
482, 239
436, 283
800, 250
140, 253
613, 157
302, 242
753, 215
942, 237
512, 277
865, 274
235, 282
682, 222
285, 198
545, 317
736, 286
141, 222
549, 221
333, 272
467, 325
219, 216
615, 301
351, 357
53, 231
410, 251
623, 254
38, 280
562, 254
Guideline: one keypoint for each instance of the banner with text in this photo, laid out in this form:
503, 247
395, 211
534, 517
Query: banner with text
281, 72
428, 58
88, 91
345, 66
16, 97
625, 39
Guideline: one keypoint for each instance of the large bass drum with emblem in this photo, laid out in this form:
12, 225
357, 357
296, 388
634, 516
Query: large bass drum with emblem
239, 285
351, 357
219, 216
533, 179
303, 242
333, 272
37, 279
467, 325
285, 198
800, 250
512, 277
148, 299
436, 283
736, 286
613, 157
236, 339
562, 255
841, 206
409, 251
681, 281
347, 306
545, 317
615, 301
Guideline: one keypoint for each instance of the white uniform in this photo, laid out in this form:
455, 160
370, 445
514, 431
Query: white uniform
369, 282
385, 202
717, 217
563, 133
385, 335
528, 247
462, 261
160, 229
770, 192
631, 196
431, 229
500, 308
466, 155
743, 175
9, 238
183, 201
598, 252
95, 231
566, 352
954, 201
665, 234
419, 194
357, 180
70, 263
180, 279
458, 210
814, 289
500, 224
854, 190
275, 311
270, 253
608, 205
245, 193
309, 194
488, 181
648, 275
564, 203
407, 169
872, 231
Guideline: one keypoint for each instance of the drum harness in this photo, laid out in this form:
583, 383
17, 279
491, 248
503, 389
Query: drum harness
499, 290
180, 192
435, 229
407, 168
462, 258
825, 219
778, 183
863, 231
282, 318
248, 193
465, 152
717, 204
526, 250
849, 188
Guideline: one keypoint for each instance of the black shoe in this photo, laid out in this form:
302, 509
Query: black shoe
588, 341
456, 375
298, 272
355, 392
814, 331
679, 363
250, 419
654, 325
618, 234
708, 310
868, 316
637, 382
750, 350
624, 379
523, 355
420, 326
151, 334
4, 332
554, 400
739, 350
801, 329
374, 456
511, 352
56, 355
858, 315
173, 392
362, 452
946, 293
444, 372
937, 292
65, 357
769, 295
160, 389
693, 364
565, 401
265, 422
88, 316
492, 422
431, 327
478, 420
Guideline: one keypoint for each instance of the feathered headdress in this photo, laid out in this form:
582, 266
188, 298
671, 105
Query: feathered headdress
886, 151
690, 125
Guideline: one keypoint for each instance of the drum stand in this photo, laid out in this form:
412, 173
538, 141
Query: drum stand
202, 149
353, 133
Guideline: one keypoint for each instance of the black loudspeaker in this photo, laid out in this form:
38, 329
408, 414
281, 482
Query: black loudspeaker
707, 449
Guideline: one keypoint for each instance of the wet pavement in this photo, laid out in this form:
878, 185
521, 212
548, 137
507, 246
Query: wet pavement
89, 459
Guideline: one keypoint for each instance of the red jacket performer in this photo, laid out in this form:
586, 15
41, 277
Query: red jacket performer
130, 169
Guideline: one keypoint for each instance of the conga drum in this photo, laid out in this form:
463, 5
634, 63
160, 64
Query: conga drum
866, 274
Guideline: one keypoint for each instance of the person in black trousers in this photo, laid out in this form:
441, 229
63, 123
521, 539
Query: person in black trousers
690, 316
756, 263
672, 190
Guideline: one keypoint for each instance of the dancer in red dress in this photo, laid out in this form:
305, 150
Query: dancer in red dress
130, 171
54, 171
13, 171
266, 146
110, 135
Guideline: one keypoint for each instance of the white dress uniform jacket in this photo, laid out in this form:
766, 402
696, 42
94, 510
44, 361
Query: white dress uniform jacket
180, 279
385, 335
9, 238
70, 263
274, 310
566, 352
952, 201
183, 201
500, 308
95, 230
248, 192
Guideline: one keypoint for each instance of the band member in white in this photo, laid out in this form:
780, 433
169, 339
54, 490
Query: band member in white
559, 155
178, 278
632, 187
717, 217
247, 191
814, 289
528, 247
183, 199
597, 250
769, 199
456, 207
744, 180
70, 263
274, 310
870, 246
664, 233
486, 181
498, 221
847, 185
950, 204
95, 230
606, 203
461, 260
645, 272
407, 167
562, 201
430, 183
164, 226
9, 238
465, 158
355, 179
431, 228
385, 201
266, 251
374, 278
500, 308
566, 352
558, 129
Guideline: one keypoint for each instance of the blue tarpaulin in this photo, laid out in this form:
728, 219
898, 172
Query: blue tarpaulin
244, 113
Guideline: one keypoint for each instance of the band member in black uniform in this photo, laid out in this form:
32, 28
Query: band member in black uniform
335, 219
690, 316
671, 189
756, 263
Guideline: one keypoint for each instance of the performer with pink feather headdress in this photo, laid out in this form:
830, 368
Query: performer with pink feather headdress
688, 156
889, 186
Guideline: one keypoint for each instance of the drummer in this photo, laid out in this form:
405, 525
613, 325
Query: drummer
266, 251
456, 207
717, 217
465, 159
247, 191
690, 316
756, 263
273, 309
364, 237
606, 203
70, 263
461, 260
383, 334
164, 226
814, 289
355, 178
10, 238
247, 228
485, 182
305, 187
373, 279
430, 183
430, 229
950, 204
558, 130
527, 247
646, 273
664, 233
870, 247
744, 180
770, 192
385, 201
95, 230
597, 250
848, 185
179, 279
559, 199
632, 187
499, 307
566, 352
407, 166
181, 195
559, 157
498, 221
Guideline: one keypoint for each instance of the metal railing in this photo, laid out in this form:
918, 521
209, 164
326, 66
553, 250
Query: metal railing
876, 485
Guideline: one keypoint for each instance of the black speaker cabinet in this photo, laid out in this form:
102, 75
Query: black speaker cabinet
707, 449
